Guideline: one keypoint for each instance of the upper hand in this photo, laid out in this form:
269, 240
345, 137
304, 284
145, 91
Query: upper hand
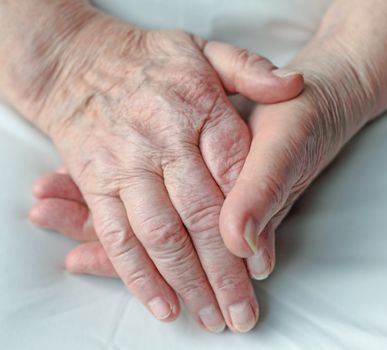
151, 140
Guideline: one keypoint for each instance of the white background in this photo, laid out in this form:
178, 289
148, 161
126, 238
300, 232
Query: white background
329, 287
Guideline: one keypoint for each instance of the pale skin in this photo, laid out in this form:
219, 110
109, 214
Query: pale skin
145, 128
345, 74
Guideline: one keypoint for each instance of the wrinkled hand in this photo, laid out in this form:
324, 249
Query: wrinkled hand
292, 143
152, 142
345, 76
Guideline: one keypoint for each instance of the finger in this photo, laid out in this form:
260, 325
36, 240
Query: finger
62, 170
224, 143
198, 200
264, 184
56, 185
262, 263
160, 230
252, 75
70, 218
90, 258
129, 258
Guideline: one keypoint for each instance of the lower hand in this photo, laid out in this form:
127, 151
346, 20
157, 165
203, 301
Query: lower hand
345, 76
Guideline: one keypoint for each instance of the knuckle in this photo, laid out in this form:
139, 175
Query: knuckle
230, 284
194, 289
164, 236
112, 235
198, 88
203, 218
227, 274
176, 154
241, 57
137, 280
118, 241
228, 171
226, 154
179, 260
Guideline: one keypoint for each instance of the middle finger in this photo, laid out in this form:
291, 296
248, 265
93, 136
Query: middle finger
159, 228
198, 200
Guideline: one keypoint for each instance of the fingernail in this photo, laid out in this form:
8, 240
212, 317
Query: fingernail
159, 308
284, 73
242, 316
260, 265
212, 319
251, 235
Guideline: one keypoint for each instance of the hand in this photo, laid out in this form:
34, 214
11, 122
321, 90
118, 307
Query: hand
152, 142
292, 141
345, 87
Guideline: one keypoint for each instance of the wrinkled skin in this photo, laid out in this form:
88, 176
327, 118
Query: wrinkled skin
153, 144
295, 140
292, 143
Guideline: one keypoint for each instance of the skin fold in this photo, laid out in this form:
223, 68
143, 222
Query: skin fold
165, 188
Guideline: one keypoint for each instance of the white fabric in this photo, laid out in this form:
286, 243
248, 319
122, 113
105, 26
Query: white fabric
329, 287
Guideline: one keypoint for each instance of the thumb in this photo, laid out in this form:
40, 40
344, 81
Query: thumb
251, 75
264, 184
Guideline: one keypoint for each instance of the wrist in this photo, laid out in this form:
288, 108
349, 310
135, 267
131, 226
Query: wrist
33, 55
45, 58
351, 81
355, 35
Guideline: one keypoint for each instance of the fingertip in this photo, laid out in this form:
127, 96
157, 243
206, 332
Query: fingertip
37, 215
45, 186
56, 185
83, 259
244, 216
163, 309
292, 81
278, 86
244, 316
252, 75
89, 258
175, 312
233, 227
262, 264
61, 170
72, 262
38, 188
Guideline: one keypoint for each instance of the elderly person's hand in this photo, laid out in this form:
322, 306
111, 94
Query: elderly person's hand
346, 86
146, 130
345, 71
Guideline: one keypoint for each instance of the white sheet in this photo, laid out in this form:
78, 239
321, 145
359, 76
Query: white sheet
329, 287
